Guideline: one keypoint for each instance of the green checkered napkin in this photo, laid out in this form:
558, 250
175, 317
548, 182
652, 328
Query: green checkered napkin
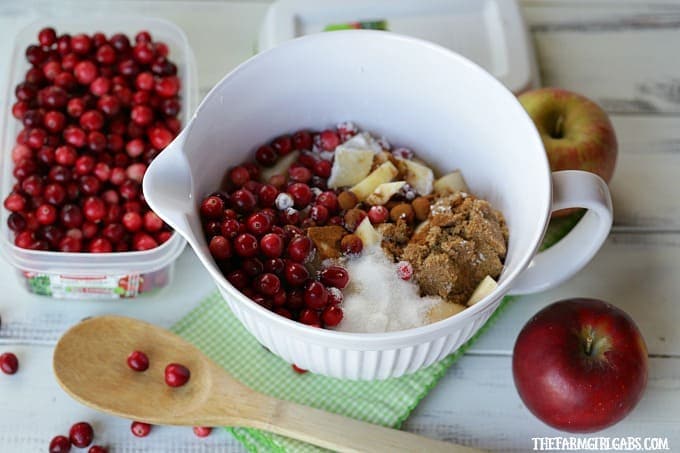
216, 331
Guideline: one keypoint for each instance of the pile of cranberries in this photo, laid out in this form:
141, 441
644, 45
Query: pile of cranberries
95, 111
80, 436
257, 231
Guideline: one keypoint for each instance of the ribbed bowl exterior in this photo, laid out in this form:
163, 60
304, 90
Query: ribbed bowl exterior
347, 363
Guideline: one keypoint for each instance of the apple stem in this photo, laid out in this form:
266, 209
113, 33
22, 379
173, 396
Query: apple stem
557, 132
589, 344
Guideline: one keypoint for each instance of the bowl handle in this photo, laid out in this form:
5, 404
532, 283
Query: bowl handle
571, 189
167, 186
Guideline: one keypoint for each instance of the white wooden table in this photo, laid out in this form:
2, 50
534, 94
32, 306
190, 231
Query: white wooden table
621, 54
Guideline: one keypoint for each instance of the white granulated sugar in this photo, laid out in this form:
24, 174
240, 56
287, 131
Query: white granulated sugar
377, 300
363, 140
283, 201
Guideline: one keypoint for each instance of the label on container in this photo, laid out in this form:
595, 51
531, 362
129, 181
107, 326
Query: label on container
81, 287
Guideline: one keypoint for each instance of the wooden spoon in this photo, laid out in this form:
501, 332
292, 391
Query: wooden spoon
90, 365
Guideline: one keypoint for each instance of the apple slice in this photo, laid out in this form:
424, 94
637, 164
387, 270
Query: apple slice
484, 288
443, 310
451, 183
384, 192
419, 176
350, 166
384, 173
280, 168
368, 235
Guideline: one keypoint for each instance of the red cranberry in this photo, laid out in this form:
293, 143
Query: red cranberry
160, 137
239, 176
35, 55
19, 109
46, 214
152, 223
15, 202
143, 53
266, 156
267, 284
243, 200
81, 44
334, 276
71, 216
89, 185
238, 278
81, 434
274, 266
60, 444
140, 429
302, 140
316, 296
309, 317
167, 87
70, 244
202, 431
33, 118
220, 248
36, 138
97, 449
92, 120
378, 214
65, 155
230, 228
307, 160
283, 145
75, 107
272, 245
295, 273
75, 136
94, 209
143, 241
109, 105
9, 364
16, 222
300, 174
212, 208
32, 186
85, 72
329, 140
100, 245
246, 245
176, 375
299, 249
132, 221
322, 168
319, 214
138, 361
297, 369
142, 115
332, 316
20, 152
47, 37
301, 193
267, 195
258, 223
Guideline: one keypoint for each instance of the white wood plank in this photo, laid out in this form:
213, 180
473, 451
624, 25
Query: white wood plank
636, 272
477, 404
618, 56
646, 177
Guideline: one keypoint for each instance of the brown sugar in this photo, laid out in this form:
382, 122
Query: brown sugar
463, 240
327, 239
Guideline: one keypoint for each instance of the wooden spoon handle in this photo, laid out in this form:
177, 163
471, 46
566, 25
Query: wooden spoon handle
344, 434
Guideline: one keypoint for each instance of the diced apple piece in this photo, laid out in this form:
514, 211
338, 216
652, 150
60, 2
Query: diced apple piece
382, 157
451, 183
484, 288
280, 168
443, 310
367, 233
384, 192
419, 176
350, 166
384, 173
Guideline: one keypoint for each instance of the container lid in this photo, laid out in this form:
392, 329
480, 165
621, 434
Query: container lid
488, 32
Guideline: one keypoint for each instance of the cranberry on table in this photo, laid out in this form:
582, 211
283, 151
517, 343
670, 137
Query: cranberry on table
176, 375
81, 434
138, 361
140, 429
60, 444
9, 364
97, 449
202, 431
297, 369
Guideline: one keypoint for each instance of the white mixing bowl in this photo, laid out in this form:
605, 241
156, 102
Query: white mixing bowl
419, 95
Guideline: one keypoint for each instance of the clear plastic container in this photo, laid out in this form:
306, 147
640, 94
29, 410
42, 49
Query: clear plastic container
88, 275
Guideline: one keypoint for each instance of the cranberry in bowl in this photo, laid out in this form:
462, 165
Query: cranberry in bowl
88, 113
421, 97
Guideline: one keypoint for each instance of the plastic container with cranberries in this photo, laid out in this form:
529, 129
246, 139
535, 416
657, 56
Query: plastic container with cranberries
89, 268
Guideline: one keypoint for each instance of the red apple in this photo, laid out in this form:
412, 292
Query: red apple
576, 132
580, 365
